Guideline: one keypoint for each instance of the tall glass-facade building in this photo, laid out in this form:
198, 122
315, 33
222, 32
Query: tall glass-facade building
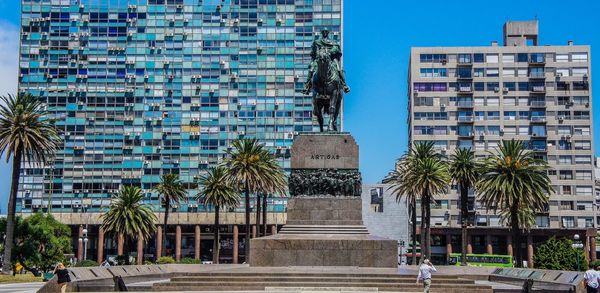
141, 88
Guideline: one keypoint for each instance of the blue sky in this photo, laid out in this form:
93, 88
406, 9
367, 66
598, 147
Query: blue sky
377, 40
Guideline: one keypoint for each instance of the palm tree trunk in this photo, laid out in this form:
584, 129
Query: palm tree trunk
428, 223
247, 236
258, 213
464, 216
514, 221
164, 238
264, 215
217, 243
10, 218
414, 232
423, 233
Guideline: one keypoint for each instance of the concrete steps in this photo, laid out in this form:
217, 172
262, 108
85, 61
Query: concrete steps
257, 281
324, 229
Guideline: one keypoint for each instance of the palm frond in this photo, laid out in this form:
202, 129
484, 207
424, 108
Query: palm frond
217, 189
514, 179
171, 189
25, 127
128, 216
249, 164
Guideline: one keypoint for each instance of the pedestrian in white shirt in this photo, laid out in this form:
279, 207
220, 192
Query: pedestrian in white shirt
425, 271
591, 278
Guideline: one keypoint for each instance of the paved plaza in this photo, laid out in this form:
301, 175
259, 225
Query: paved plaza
21, 287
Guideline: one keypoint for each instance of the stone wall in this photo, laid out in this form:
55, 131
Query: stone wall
393, 221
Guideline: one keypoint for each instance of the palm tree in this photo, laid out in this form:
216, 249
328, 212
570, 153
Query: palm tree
171, 191
400, 188
217, 190
420, 174
26, 135
253, 169
464, 172
127, 216
514, 181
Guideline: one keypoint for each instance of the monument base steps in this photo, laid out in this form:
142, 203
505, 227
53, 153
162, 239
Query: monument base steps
261, 281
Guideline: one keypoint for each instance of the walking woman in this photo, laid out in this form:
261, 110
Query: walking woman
62, 275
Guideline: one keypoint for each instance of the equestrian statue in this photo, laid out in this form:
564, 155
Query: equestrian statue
326, 80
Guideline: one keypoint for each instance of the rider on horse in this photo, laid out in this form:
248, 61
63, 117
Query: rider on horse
325, 43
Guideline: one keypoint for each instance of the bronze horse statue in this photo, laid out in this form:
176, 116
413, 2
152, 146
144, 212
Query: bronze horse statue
327, 90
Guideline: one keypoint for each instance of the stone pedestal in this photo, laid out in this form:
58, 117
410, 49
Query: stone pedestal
324, 219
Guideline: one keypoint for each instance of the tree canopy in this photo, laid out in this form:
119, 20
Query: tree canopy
40, 242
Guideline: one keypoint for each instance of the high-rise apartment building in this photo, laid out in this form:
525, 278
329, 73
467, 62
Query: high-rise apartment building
474, 97
141, 88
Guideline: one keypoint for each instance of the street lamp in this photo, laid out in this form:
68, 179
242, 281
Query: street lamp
577, 244
85, 240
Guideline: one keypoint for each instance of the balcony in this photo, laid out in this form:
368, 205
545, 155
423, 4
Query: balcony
537, 59
464, 76
537, 75
464, 62
538, 89
537, 104
538, 119
465, 89
465, 119
466, 134
464, 104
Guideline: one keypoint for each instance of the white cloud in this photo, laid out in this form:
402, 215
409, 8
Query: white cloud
9, 58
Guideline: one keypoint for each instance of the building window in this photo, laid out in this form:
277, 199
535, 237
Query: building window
508, 58
565, 175
493, 115
542, 221
562, 57
583, 160
581, 100
377, 199
580, 71
492, 72
491, 58
583, 190
522, 57
581, 130
565, 160
431, 87
433, 58
583, 175
579, 57
433, 72
478, 58
464, 58
508, 72
563, 72
568, 222
510, 115
493, 101
583, 145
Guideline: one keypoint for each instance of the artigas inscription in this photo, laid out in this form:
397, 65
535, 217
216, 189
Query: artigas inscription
325, 157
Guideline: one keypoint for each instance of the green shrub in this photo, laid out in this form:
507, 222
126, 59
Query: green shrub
559, 254
189, 261
595, 263
148, 263
87, 263
165, 260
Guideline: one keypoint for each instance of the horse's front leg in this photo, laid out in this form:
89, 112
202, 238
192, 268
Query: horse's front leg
317, 111
334, 110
